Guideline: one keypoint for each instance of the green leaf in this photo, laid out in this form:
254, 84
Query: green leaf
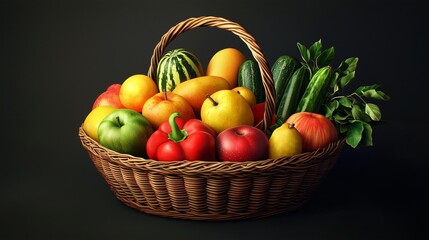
331, 107
305, 53
341, 119
367, 135
363, 116
345, 101
349, 65
373, 111
354, 134
372, 93
334, 104
334, 86
346, 71
356, 112
346, 79
360, 90
316, 49
325, 58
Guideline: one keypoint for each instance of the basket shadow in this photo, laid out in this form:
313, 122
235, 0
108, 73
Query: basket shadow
366, 182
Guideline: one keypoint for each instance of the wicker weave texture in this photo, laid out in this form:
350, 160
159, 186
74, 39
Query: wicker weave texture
212, 190
203, 190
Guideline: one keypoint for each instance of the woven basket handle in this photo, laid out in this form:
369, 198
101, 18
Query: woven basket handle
238, 30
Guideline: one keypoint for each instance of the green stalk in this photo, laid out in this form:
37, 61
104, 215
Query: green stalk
177, 134
118, 121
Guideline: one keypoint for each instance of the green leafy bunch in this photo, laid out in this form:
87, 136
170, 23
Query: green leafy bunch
351, 111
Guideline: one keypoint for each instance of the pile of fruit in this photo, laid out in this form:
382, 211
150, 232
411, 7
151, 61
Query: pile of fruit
192, 114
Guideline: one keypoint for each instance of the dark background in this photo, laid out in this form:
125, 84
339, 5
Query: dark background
57, 56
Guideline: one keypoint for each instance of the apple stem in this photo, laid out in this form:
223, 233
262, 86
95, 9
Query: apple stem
212, 100
118, 121
291, 125
177, 134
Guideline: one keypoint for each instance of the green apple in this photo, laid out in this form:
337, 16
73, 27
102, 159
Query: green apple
125, 131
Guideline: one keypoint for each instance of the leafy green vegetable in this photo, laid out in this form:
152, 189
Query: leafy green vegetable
315, 57
352, 113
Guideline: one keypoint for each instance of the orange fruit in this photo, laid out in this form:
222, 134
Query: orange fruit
247, 94
136, 90
226, 63
93, 119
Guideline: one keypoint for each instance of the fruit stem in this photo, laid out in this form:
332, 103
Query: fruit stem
212, 100
177, 134
291, 125
118, 121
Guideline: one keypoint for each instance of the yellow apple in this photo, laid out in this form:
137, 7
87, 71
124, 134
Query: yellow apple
225, 109
247, 94
93, 119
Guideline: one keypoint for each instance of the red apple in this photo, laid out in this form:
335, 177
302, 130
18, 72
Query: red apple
114, 87
110, 97
317, 131
241, 143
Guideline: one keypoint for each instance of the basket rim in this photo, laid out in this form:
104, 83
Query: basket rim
298, 162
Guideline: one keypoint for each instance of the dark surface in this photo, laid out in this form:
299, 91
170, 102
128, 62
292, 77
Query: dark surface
57, 56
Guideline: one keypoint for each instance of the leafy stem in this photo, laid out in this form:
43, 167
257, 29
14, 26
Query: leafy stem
348, 96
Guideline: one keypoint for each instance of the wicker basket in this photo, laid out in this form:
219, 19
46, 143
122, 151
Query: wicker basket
202, 190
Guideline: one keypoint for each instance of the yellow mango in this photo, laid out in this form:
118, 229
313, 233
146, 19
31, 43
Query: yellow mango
196, 89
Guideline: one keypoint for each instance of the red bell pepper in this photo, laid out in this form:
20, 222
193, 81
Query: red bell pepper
177, 139
259, 111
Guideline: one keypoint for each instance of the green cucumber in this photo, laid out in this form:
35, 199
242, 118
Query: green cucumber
249, 76
282, 70
315, 93
292, 93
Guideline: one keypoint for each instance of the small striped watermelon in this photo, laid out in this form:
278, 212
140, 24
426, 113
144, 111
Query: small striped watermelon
177, 66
